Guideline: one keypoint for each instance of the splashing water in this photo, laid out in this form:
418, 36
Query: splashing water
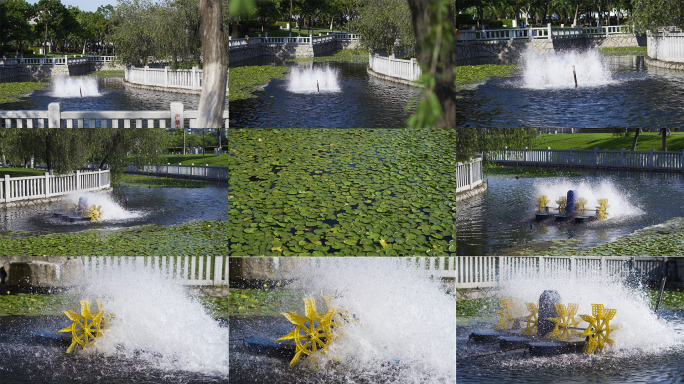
74, 87
620, 201
161, 325
554, 71
310, 80
111, 210
406, 321
640, 329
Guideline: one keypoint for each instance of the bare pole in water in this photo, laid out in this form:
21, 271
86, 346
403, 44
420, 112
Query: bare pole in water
79, 89
319, 88
574, 74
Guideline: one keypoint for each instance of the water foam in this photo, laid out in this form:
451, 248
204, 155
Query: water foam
405, 319
554, 71
310, 80
111, 210
620, 201
74, 87
157, 322
640, 329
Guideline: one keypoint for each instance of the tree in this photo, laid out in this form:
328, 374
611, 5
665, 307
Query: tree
14, 26
385, 25
436, 53
471, 141
133, 23
54, 19
104, 24
654, 14
215, 73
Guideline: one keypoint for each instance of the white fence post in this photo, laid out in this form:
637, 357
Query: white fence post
145, 74
47, 184
651, 158
8, 191
596, 155
622, 157
177, 120
54, 116
549, 28
78, 180
166, 76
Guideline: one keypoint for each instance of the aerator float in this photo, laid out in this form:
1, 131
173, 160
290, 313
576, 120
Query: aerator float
550, 327
80, 212
571, 207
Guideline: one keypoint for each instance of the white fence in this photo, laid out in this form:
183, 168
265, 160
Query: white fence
180, 170
648, 160
540, 33
166, 77
37, 187
193, 270
468, 175
666, 46
54, 117
491, 271
389, 66
62, 60
320, 39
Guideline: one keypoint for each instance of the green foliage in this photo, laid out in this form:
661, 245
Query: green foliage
243, 81
36, 305
471, 141
11, 92
623, 51
500, 170
468, 74
196, 139
384, 25
165, 182
256, 302
14, 26
654, 14
477, 307
341, 192
671, 299
196, 238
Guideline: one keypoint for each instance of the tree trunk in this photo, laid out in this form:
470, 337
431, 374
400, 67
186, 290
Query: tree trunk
215, 73
440, 62
48, 158
663, 132
115, 144
636, 137
576, 10
290, 19
517, 13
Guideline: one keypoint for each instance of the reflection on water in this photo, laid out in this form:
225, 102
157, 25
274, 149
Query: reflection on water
162, 206
639, 97
362, 102
504, 215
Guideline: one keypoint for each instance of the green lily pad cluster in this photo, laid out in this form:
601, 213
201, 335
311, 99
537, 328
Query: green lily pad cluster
342, 192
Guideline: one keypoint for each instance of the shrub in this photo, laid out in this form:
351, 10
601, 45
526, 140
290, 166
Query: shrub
495, 23
465, 19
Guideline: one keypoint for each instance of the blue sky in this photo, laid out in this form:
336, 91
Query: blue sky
84, 5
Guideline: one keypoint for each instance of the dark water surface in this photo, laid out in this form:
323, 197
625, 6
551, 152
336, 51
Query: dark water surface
23, 360
362, 102
640, 97
504, 215
161, 206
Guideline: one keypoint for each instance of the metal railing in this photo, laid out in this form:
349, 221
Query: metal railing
54, 117
491, 271
647, 160
540, 33
181, 170
306, 40
47, 185
469, 175
57, 60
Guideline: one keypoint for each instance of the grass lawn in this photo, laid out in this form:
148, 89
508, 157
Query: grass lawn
468, 74
244, 81
166, 182
11, 92
108, 74
208, 159
21, 172
345, 55
623, 51
606, 141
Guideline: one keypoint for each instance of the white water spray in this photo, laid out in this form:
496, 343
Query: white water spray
555, 71
75, 87
313, 80
405, 319
156, 321
620, 202
640, 329
111, 210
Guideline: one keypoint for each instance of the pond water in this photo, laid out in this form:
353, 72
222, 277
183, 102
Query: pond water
161, 206
613, 92
504, 215
647, 348
161, 335
356, 100
107, 94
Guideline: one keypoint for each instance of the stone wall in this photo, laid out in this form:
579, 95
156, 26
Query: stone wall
511, 50
473, 192
289, 50
45, 71
663, 64
40, 271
